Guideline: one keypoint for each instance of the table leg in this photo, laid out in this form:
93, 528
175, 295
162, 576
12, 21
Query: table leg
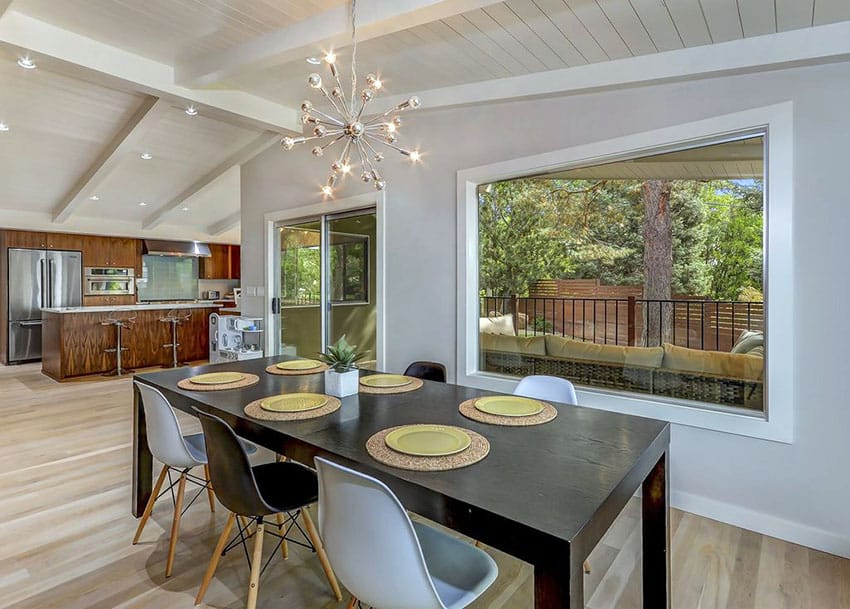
559, 586
656, 537
142, 458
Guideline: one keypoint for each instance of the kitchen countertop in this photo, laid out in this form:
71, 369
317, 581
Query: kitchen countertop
138, 307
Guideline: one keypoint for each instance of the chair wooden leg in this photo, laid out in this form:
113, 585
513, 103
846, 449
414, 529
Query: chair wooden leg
284, 547
320, 551
352, 602
219, 548
175, 524
210, 493
246, 527
151, 501
256, 567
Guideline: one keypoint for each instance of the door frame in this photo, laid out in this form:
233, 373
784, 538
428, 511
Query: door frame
375, 200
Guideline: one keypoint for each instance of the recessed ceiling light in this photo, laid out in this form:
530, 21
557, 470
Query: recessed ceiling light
184, 208
192, 111
147, 156
314, 61
4, 126
94, 198
26, 63
142, 204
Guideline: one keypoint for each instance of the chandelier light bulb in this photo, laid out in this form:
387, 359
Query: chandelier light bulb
336, 167
414, 102
391, 138
380, 184
315, 80
320, 131
336, 92
373, 82
327, 191
366, 95
390, 127
330, 57
397, 121
345, 168
366, 176
415, 156
288, 143
379, 156
306, 105
317, 151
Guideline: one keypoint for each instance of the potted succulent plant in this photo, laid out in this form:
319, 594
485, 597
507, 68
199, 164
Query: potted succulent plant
341, 377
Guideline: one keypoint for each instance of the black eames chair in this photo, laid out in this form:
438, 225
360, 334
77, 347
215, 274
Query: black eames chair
281, 489
429, 371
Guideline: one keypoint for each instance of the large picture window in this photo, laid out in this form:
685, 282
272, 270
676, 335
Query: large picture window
643, 275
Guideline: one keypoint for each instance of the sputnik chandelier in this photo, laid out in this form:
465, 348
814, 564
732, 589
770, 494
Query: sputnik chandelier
360, 133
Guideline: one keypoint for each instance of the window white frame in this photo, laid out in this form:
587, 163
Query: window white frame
777, 422
317, 210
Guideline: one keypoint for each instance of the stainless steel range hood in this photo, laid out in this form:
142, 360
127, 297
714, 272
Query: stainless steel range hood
185, 249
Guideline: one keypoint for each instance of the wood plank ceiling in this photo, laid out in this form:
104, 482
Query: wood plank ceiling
518, 37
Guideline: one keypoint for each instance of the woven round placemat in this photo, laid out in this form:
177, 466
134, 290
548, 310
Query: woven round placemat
250, 379
469, 410
273, 369
413, 385
377, 447
255, 411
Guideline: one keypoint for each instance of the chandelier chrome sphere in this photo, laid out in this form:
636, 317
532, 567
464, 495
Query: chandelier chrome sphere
361, 134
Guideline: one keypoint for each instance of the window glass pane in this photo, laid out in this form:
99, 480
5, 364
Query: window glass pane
643, 275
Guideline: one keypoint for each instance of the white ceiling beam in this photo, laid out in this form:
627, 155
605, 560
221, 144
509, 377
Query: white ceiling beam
328, 30
124, 141
225, 224
803, 47
240, 157
45, 40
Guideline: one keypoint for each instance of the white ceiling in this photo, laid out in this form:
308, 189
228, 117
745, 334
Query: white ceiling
103, 62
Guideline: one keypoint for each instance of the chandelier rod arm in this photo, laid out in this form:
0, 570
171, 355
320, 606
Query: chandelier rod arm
404, 151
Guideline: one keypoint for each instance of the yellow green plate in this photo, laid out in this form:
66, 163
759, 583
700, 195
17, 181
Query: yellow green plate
294, 402
428, 440
299, 364
385, 380
217, 378
509, 406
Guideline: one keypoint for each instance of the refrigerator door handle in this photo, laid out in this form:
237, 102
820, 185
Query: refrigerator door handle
26, 324
50, 282
43, 271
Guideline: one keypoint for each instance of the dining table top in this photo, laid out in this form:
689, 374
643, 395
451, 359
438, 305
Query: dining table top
553, 478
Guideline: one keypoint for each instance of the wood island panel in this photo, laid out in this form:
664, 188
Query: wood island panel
73, 344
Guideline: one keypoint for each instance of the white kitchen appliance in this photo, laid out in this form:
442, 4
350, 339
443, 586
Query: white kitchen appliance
234, 338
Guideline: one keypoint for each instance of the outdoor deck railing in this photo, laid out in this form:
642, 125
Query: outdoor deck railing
699, 324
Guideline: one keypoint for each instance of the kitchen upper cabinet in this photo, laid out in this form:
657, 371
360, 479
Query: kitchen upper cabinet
220, 265
64, 241
110, 252
26, 239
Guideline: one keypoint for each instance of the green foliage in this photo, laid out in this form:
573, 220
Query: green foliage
534, 228
341, 356
541, 324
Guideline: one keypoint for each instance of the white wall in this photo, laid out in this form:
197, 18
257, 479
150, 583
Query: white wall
799, 491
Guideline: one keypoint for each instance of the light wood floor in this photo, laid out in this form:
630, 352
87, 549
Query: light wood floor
65, 531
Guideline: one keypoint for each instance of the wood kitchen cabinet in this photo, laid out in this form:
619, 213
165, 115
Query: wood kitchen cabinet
26, 239
110, 252
224, 262
64, 241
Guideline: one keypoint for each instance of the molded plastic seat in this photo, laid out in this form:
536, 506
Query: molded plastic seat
256, 492
384, 559
176, 452
553, 388
429, 371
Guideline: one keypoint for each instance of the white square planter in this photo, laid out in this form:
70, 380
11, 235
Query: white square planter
341, 384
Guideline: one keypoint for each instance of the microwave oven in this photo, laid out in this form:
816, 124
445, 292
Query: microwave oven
109, 281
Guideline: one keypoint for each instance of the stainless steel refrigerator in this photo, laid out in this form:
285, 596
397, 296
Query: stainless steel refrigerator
39, 279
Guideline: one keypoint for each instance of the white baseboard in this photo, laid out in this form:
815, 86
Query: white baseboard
795, 532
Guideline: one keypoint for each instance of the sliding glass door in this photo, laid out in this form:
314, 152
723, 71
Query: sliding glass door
327, 284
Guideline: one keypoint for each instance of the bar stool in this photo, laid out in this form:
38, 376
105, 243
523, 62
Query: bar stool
175, 319
119, 348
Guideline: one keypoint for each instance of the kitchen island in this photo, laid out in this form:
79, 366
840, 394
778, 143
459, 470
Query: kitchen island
75, 339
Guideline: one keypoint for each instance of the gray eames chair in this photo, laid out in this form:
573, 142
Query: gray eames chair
179, 454
386, 560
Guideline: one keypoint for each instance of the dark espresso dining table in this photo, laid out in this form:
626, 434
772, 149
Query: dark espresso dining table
545, 493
